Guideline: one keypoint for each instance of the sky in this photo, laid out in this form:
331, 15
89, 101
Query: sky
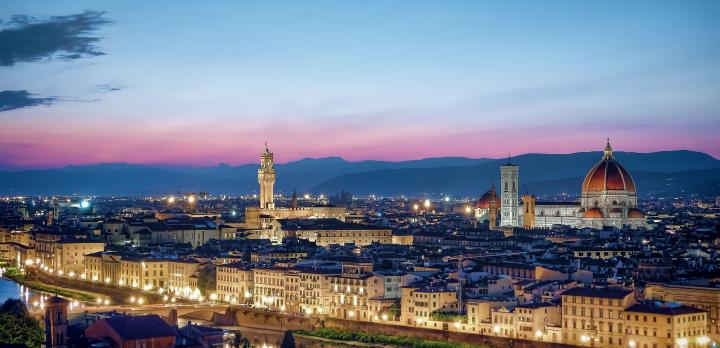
200, 83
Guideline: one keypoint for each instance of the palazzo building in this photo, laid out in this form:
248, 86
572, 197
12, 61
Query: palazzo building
262, 217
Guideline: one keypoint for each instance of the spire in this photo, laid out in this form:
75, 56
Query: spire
293, 201
608, 151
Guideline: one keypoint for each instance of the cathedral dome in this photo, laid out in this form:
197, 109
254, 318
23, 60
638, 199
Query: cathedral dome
484, 201
608, 175
594, 213
635, 214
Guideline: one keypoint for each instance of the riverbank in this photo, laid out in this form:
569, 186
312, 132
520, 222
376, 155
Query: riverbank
14, 275
377, 340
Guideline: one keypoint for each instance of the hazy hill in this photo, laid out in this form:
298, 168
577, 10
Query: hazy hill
558, 173
126, 179
539, 173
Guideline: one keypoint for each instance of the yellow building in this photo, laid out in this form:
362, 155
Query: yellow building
269, 287
504, 323
699, 295
234, 282
102, 267
69, 255
182, 274
146, 274
349, 292
419, 303
535, 320
594, 316
665, 325
313, 296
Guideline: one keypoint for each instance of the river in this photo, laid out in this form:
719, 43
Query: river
258, 338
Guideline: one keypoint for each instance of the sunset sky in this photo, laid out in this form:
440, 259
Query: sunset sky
200, 83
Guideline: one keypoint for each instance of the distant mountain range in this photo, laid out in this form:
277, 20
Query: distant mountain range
658, 173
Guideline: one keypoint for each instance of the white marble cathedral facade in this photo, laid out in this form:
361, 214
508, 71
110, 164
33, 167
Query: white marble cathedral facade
608, 198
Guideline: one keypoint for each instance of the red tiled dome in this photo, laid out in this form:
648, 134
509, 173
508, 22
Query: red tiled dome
635, 214
484, 201
608, 175
594, 213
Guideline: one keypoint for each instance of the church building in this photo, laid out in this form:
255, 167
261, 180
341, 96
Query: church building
608, 198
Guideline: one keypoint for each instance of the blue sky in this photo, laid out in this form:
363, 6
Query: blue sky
196, 82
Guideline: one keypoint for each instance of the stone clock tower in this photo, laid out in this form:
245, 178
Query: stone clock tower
509, 195
266, 179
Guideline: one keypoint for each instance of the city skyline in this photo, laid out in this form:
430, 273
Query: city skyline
384, 81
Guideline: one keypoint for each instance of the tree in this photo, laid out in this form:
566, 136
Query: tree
18, 327
238, 341
14, 306
288, 341
206, 280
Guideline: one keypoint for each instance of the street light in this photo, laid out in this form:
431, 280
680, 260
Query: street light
426, 204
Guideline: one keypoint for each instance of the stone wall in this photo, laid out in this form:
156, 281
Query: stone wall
257, 319
436, 335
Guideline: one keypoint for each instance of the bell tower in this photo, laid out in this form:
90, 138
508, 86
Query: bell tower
266, 179
56, 323
493, 206
509, 194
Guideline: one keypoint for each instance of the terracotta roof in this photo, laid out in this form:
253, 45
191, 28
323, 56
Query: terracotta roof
663, 309
613, 293
139, 327
608, 174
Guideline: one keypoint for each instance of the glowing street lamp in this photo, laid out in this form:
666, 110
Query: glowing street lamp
426, 204
191, 199
171, 199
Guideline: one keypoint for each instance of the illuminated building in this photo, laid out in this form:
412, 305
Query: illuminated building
698, 294
594, 317
608, 198
325, 232
262, 217
234, 282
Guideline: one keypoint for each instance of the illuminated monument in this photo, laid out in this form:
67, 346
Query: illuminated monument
266, 179
608, 198
263, 218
